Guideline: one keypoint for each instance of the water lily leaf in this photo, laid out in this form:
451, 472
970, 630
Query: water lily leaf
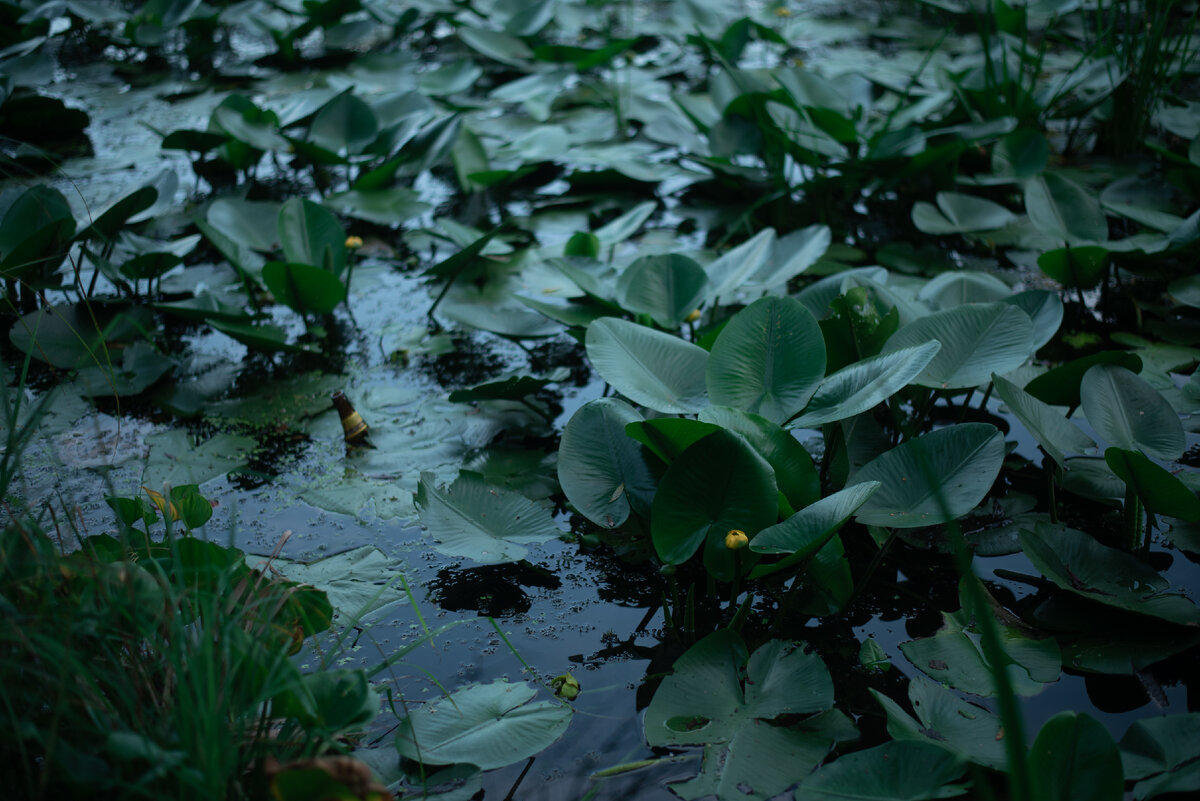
602, 471
901, 770
768, 360
260, 336
357, 581
106, 226
720, 697
176, 460
311, 235
1076, 268
1056, 434
1160, 491
486, 725
956, 287
654, 369
1129, 413
977, 339
250, 126
1045, 309
381, 206
794, 470
483, 523
67, 336
304, 288
667, 437
1162, 755
957, 213
496, 45
1060, 385
1075, 757
791, 255
718, 484
626, 225
1186, 290
1078, 564
140, 366
249, 224
730, 272
1064, 209
346, 124
865, 384
1021, 154
934, 478
808, 530
947, 722
668, 288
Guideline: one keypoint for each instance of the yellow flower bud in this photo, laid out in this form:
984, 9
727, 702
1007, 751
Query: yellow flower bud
783, 11
354, 242
693, 317
736, 539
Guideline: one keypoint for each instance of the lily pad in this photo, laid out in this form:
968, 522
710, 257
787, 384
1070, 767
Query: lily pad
656, 370
357, 582
486, 725
1129, 413
977, 339
948, 722
901, 770
483, 523
603, 472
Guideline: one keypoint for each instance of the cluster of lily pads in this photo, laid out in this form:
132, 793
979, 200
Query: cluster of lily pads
910, 285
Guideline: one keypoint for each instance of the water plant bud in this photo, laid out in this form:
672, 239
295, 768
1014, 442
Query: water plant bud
693, 317
354, 428
565, 687
354, 242
736, 539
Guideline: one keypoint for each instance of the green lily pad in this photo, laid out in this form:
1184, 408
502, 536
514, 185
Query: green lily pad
656, 370
1162, 755
1129, 413
357, 582
603, 472
977, 339
1075, 757
947, 722
486, 725
901, 770
483, 523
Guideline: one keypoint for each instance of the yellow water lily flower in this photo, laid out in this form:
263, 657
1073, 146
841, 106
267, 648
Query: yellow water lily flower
736, 539
354, 242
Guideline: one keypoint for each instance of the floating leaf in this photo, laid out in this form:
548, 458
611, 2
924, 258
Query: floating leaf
483, 523
901, 770
948, 722
1162, 754
1064, 209
958, 213
1074, 757
356, 582
486, 725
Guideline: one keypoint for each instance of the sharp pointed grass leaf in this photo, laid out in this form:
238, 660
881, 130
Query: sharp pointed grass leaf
668, 288
1081, 267
768, 360
1064, 209
957, 213
625, 226
1060, 385
1045, 309
956, 287
487, 725
1162, 755
496, 45
667, 437
794, 470
1129, 413
356, 582
484, 523
1160, 491
947, 722
934, 478
718, 484
977, 339
304, 288
1075, 757
346, 124
791, 256
656, 370
1078, 564
808, 530
729, 273
602, 471
310, 234
900, 770
1056, 434
865, 384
